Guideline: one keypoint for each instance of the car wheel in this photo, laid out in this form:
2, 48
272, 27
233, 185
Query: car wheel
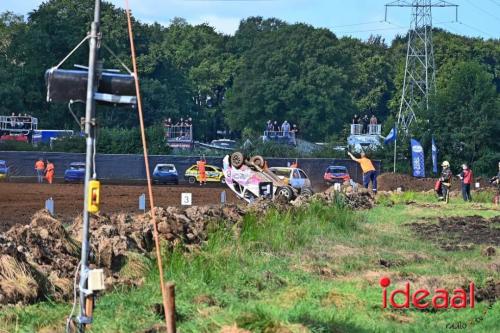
258, 161
285, 192
223, 180
237, 159
306, 191
192, 180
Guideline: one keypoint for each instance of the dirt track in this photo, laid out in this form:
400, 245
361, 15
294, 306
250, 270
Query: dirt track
19, 201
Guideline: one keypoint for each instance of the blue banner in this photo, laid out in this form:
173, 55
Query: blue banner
417, 159
391, 137
434, 157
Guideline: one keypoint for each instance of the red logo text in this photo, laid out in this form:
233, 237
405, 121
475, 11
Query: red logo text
422, 298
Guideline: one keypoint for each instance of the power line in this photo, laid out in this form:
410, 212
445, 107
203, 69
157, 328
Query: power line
369, 30
478, 30
496, 3
484, 11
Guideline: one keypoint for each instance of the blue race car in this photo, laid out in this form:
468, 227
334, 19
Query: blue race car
165, 173
75, 172
4, 171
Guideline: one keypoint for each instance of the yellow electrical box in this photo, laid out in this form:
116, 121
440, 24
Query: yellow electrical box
94, 196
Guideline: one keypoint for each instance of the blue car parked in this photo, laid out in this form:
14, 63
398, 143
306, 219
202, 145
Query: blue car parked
4, 170
75, 172
165, 173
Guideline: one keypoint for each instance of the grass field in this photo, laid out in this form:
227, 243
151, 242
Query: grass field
313, 270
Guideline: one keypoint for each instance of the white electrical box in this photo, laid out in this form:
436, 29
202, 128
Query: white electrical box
96, 280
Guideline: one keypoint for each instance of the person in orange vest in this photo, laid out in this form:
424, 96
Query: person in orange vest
49, 172
39, 169
202, 176
369, 172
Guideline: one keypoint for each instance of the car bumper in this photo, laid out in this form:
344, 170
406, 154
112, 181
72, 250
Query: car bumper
336, 180
166, 179
73, 179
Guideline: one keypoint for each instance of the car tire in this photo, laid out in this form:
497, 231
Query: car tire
192, 180
306, 191
285, 192
237, 159
223, 180
258, 161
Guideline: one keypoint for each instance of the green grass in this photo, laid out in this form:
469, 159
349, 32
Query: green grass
311, 270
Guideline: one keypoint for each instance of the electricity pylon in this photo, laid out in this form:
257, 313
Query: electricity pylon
419, 78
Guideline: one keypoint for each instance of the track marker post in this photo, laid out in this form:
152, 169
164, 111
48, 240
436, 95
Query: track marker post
142, 202
49, 205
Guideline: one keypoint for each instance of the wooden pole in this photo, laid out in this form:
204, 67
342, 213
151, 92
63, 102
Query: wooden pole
170, 307
89, 307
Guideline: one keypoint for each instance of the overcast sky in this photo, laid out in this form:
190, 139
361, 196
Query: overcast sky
357, 18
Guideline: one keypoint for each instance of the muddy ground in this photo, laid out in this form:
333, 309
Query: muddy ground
460, 233
19, 201
390, 182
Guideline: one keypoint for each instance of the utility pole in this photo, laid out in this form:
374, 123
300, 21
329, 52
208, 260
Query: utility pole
419, 78
86, 296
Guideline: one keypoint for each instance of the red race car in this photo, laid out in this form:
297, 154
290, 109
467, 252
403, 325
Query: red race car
336, 174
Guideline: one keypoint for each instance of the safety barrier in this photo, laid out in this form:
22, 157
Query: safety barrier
125, 168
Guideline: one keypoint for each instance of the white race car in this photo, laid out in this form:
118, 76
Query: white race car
251, 179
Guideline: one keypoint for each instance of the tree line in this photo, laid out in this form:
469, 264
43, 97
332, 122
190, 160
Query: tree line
268, 70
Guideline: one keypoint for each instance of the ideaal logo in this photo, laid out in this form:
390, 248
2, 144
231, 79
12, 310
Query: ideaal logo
440, 299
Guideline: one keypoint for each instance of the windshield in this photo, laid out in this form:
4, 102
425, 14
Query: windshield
336, 170
281, 172
77, 167
166, 168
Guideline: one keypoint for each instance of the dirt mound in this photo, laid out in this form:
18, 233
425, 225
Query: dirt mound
459, 233
391, 181
359, 198
39, 259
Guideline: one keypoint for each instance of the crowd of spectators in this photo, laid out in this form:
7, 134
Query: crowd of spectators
19, 121
365, 121
180, 130
285, 129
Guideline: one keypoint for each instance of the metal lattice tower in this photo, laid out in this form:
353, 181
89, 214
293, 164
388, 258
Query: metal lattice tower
419, 78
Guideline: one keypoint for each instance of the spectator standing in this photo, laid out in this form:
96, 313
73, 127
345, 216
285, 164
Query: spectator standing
168, 127
269, 127
49, 172
365, 122
373, 120
466, 177
276, 127
285, 128
39, 169
369, 172
355, 119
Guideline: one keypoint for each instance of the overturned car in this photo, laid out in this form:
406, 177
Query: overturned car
250, 178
